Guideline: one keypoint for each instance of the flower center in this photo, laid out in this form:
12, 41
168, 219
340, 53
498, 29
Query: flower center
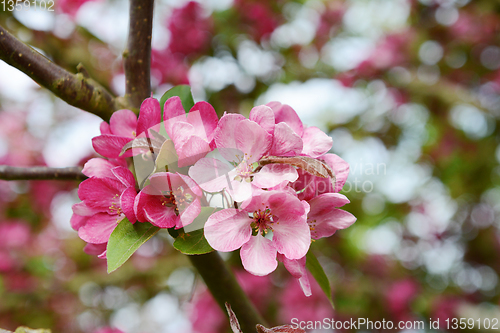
244, 171
262, 221
115, 208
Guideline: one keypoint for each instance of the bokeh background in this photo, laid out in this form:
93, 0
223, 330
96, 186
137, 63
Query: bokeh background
408, 90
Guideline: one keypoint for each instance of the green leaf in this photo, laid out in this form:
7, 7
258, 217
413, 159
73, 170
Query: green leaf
191, 239
193, 242
125, 240
184, 92
313, 265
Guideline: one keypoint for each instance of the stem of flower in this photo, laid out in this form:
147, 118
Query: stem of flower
224, 287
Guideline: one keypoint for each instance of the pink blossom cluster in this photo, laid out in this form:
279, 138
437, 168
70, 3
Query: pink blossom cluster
279, 181
190, 34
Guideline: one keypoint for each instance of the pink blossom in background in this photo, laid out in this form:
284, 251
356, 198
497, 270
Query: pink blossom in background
14, 234
330, 22
7, 262
23, 148
190, 30
70, 7
399, 296
167, 67
475, 29
392, 50
445, 307
257, 17
294, 304
205, 314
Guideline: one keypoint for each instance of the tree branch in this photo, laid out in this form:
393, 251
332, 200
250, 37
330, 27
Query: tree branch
137, 56
224, 287
74, 89
41, 173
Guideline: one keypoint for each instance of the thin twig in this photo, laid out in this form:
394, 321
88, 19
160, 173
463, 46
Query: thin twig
74, 89
137, 56
41, 173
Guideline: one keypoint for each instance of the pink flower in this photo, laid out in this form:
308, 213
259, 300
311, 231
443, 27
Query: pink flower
315, 142
268, 223
324, 219
70, 7
258, 17
399, 295
190, 30
171, 200
309, 186
14, 234
124, 127
192, 134
168, 68
106, 201
241, 142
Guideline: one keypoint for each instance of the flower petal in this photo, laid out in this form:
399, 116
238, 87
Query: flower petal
274, 174
149, 116
239, 190
258, 255
224, 135
285, 113
194, 149
264, 116
339, 167
100, 193
123, 123
98, 228
95, 249
298, 270
316, 142
228, 229
109, 145
127, 203
291, 237
188, 214
285, 141
124, 176
252, 140
204, 119
77, 221
211, 174
160, 215
98, 167
173, 112
104, 128
324, 219
83, 210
